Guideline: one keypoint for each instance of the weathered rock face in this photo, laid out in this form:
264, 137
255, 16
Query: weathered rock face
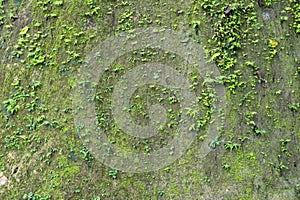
80, 109
3, 179
3, 183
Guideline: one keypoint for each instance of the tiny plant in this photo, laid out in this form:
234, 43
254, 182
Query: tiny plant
113, 173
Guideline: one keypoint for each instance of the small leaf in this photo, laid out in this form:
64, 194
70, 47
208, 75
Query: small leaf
24, 30
58, 3
213, 57
273, 43
38, 24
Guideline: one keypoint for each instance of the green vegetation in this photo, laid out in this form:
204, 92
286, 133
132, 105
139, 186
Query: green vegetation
255, 45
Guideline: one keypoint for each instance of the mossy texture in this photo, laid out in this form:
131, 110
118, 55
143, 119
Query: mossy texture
254, 44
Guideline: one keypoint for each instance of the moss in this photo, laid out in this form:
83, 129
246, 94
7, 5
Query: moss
46, 43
